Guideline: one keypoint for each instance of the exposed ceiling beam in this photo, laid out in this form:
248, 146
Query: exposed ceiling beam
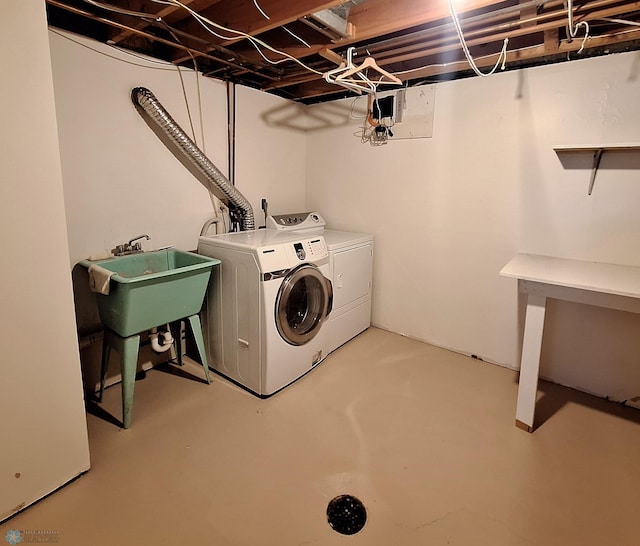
153, 38
437, 48
243, 16
163, 12
368, 20
372, 18
412, 38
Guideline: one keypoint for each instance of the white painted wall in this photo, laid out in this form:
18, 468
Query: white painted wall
44, 434
448, 212
271, 152
119, 179
453, 208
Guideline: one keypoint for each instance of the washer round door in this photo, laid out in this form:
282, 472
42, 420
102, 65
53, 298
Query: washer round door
303, 302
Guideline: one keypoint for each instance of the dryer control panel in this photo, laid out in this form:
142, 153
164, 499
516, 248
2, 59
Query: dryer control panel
296, 221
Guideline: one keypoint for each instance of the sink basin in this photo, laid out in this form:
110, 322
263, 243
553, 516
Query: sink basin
152, 288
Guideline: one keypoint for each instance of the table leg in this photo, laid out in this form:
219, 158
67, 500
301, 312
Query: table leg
530, 362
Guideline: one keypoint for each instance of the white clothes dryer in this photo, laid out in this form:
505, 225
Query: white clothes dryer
351, 274
266, 307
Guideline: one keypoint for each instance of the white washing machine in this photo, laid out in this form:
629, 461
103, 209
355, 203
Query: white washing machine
266, 307
350, 271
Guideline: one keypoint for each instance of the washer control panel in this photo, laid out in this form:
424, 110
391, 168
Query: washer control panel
296, 221
311, 249
283, 256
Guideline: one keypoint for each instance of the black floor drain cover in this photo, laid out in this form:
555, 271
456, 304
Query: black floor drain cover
346, 515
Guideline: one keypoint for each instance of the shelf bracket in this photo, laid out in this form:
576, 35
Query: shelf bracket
597, 156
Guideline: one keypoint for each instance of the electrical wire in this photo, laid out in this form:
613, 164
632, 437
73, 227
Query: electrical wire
255, 3
369, 131
198, 18
132, 54
573, 29
186, 102
205, 23
621, 21
304, 43
147, 17
255, 41
440, 65
121, 11
184, 91
502, 58
170, 30
168, 66
444, 65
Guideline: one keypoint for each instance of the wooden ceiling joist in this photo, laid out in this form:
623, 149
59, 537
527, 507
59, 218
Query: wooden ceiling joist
408, 37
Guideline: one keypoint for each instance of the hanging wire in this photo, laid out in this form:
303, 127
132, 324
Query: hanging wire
121, 11
255, 3
502, 58
620, 21
184, 91
573, 29
255, 41
167, 66
303, 42
186, 102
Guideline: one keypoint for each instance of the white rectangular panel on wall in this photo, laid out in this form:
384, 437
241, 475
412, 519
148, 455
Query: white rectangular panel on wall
413, 112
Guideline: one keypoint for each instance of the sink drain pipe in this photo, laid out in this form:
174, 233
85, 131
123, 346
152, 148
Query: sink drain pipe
167, 340
217, 183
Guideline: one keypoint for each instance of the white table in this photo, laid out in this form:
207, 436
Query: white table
542, 277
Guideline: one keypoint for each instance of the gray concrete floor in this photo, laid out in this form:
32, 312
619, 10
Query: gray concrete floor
424, 437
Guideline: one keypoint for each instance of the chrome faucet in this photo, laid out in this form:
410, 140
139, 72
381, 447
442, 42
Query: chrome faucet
132, 247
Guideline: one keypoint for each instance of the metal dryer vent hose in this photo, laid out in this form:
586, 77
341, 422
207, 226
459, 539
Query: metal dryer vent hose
190, 155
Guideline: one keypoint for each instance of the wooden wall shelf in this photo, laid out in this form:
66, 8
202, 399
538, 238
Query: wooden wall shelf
597, 151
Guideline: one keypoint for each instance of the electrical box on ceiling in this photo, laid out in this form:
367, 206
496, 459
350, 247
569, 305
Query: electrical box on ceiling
383, 107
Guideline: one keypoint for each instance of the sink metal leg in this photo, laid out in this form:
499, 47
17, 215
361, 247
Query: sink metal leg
176, 332
130, 346
196, 328
106, 353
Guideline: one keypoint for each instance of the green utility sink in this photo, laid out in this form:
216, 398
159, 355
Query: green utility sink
152, 288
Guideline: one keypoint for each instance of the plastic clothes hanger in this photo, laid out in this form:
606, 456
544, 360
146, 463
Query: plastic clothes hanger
358, 88
359, 85
369, 63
